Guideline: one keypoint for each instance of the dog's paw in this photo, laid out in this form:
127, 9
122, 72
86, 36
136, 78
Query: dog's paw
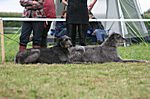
80, 48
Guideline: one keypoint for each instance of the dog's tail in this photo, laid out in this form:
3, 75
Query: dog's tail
139, 61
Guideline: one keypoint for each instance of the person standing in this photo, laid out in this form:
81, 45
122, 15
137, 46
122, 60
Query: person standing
32, 9
50, 12
77, 20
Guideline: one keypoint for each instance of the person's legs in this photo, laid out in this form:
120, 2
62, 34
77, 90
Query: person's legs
25, 34
82, 29
62, 32
38, 28
100, 35
44, 34
72, 33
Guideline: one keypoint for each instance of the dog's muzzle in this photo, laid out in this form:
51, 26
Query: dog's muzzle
68, 43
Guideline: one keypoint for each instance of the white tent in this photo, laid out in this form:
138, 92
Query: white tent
117, 9
121, 9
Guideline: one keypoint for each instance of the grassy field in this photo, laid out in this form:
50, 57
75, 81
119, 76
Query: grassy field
77, 81
139, 51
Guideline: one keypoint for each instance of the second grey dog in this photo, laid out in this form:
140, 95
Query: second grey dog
56, 54
106, 52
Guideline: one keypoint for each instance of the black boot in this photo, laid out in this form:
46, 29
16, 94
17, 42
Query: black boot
72, 33
82, 36
22, 48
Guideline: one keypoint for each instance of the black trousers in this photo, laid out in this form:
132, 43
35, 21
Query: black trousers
45, 33
72, 30
27, 28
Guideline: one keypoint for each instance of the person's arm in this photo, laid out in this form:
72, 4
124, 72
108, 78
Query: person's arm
65, 2
38, 4
32, 5
25, 3
92, 5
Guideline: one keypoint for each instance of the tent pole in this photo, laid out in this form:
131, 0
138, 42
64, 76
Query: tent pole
2, 41
122, 23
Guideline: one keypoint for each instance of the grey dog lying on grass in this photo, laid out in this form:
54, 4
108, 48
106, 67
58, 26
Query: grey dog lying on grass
106, 52
64, 53
56, 54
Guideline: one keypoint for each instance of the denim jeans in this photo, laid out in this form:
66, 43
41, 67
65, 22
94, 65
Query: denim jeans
100, 34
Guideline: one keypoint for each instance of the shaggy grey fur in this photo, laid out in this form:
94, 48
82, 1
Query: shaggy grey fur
64, 53
106, 52
56, 54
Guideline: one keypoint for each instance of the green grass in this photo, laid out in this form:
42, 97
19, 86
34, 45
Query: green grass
139, 51
76, 81
11, 46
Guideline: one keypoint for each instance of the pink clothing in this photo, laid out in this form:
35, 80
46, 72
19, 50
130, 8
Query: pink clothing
49, 9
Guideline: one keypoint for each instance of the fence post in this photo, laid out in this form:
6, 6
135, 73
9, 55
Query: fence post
2, 41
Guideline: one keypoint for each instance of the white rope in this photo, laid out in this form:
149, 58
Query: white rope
58, 19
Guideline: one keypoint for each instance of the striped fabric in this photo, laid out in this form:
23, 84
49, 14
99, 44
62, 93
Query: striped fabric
32, 10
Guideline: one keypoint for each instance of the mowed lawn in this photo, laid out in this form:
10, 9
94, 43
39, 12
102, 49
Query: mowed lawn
75, 81
79, 81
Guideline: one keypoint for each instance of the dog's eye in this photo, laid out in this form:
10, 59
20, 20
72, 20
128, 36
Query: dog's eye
66, 39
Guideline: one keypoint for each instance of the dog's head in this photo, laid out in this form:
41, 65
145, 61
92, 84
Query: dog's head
64, 42
113, 40
118, 38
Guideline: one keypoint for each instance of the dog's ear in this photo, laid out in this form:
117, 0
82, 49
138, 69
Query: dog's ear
68, 38
119, 38
112, 36
115, 35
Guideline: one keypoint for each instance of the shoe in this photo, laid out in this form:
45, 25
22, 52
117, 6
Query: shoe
22, 48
